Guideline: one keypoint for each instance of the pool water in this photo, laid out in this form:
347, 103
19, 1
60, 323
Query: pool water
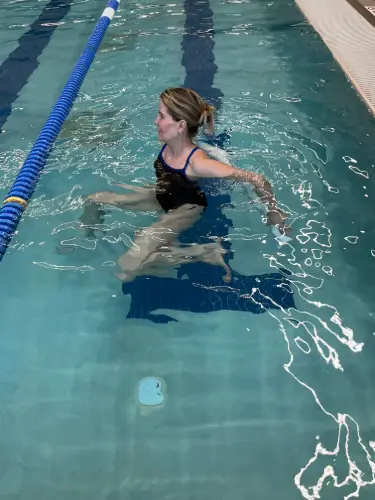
261, 406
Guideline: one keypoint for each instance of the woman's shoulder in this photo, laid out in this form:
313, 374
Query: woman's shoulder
214, 152
198, 156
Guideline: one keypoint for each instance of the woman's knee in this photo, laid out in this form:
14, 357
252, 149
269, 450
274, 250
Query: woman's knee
143, 246
102, 197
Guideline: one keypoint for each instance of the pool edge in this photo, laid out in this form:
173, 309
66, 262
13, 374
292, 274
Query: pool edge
350, 37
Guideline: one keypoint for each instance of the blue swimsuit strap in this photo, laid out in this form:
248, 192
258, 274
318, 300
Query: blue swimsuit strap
186, 163
188, 158
162, 149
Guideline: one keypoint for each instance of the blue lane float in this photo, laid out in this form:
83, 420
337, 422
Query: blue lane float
24, 186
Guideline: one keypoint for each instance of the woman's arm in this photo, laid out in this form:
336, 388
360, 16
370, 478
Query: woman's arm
201, 166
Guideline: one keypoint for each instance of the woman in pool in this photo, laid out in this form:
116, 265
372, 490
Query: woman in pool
178, 168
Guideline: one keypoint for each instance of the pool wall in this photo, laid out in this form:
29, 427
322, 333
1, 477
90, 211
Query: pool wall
350, 36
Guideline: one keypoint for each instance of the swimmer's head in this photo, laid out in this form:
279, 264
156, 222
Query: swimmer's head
182, 112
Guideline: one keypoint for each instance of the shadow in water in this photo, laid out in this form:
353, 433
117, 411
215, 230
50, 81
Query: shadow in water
254, 294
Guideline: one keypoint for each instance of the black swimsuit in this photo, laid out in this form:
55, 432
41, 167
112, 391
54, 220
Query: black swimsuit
173, 188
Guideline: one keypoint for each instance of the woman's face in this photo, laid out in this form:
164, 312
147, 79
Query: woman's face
168, 129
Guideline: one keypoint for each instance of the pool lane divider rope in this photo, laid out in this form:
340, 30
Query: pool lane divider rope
26, 181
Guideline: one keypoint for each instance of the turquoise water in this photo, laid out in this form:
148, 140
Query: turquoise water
277, 405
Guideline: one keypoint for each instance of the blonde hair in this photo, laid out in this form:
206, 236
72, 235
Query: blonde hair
186, 104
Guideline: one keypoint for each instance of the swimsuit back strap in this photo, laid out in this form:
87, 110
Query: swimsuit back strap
188, 158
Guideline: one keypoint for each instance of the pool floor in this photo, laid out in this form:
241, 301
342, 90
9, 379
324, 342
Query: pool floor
261, 405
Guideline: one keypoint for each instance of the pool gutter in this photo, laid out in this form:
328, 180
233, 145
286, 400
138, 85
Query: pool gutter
347, 27
365, 7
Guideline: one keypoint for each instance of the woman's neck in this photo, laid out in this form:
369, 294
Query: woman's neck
178, 146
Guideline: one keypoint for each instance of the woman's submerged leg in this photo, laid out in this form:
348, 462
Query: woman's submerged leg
142, 199
154, 246
139, 199
210, 253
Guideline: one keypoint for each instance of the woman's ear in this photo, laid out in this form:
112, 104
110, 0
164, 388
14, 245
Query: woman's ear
182, 125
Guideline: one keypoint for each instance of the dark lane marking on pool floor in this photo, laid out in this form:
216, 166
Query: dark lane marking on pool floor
16, 70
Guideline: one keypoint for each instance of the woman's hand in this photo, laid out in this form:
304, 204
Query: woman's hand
276, 217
